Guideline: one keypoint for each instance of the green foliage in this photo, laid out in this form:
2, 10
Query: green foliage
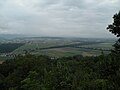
116, 47
32, 72
9, 47
115, 29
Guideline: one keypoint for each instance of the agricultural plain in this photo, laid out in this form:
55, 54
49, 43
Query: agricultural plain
55, 46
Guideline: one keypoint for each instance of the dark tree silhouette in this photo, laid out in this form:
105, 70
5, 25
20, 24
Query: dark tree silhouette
115, 29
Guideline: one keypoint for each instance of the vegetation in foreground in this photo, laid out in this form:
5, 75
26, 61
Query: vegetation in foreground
73, 73
32, 72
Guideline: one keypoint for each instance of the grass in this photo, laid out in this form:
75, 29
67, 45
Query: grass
61, 52
100, 46
65, 52
34, 47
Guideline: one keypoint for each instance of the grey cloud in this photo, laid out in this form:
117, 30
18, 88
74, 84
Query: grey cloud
81, 18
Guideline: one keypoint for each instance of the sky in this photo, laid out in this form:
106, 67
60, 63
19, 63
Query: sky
61, 18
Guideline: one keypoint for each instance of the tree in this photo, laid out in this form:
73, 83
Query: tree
115, 29
113, 66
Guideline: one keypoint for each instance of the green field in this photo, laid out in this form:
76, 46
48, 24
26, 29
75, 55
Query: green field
100, 45
58, 47
65, 47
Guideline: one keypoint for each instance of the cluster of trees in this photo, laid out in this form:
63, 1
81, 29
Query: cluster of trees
32, 72
9, 47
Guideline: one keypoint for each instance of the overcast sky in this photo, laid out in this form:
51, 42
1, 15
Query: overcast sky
75, 18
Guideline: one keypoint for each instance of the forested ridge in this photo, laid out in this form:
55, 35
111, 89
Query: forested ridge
31, 72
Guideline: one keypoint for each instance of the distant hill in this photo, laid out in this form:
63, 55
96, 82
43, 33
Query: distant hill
10, 36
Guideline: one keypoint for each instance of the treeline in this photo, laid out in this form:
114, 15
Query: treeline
32, 72
9, 47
